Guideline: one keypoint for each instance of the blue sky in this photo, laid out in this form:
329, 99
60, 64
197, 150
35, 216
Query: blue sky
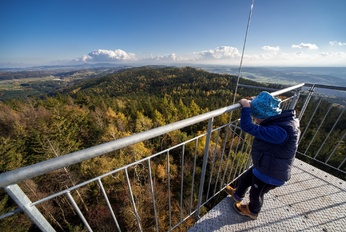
281, 33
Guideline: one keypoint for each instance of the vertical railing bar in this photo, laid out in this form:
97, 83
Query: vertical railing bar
193, 175
242, 150
231, 169
229, 154
318, 129
248, 151
287, 103
307, 101
204, 166
169, 190
182, 182
330, 132
342, 163
213, 161
221, 158
311, 117
133, 199
295, 99
235, 160
153, 195
108, 203
237, 169
226, 168
234, 163
79, 212
236, 156
342, 138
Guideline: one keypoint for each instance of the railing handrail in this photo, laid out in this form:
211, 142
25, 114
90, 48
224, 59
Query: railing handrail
333, 87
34, 170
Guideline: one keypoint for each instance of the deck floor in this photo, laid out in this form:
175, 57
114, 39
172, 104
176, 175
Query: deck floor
312, 200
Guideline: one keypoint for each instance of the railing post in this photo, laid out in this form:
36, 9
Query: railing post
295, 99
306, 103
17, 194
204, 166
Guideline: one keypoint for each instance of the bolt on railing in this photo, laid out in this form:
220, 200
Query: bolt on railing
225, 155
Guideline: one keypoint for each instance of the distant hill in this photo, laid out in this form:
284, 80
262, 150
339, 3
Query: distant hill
286, 75
184, 83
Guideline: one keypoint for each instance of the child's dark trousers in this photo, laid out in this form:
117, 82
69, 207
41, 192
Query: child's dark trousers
257, 191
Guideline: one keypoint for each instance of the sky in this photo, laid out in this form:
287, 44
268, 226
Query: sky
280, 33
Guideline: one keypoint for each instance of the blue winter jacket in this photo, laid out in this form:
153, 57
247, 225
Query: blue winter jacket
275, 143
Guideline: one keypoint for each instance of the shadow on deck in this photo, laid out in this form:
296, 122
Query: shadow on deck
312, 200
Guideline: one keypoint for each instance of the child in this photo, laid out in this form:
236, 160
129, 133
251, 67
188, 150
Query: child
273, 150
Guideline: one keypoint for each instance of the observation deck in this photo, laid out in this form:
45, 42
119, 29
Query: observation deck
312, 200
180, 187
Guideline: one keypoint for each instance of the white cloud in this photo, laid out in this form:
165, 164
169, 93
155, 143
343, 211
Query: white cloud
223, 52
166, 57
271, 49
108, 56
271, 55
336, 55
336, 43
305, 46
297, 59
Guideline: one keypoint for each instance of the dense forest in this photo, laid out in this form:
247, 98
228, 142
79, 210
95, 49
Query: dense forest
103, 109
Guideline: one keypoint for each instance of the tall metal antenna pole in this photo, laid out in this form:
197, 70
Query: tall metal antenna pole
242, 54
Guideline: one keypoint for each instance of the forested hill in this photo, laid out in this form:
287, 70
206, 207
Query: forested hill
208, 90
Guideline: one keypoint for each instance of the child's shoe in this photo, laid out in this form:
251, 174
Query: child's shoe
231, 191
244, 210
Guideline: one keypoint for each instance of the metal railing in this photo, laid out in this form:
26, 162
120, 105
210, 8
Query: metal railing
168, 190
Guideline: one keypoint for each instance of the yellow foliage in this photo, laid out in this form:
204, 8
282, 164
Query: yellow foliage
110, 114
161, 172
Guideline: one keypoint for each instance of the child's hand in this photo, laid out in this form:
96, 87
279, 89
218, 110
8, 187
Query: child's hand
244, 103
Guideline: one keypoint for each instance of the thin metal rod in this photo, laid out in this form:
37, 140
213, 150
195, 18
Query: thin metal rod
221, 159
330, 132
79, 212
153, 196
193, 175
13, 212
311, 118
339, 168
340, 141
108, 203
169, 190
243, 51
182, 182
294, 100
133, 200
306, 103
213, 161
318, 129
229, 154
